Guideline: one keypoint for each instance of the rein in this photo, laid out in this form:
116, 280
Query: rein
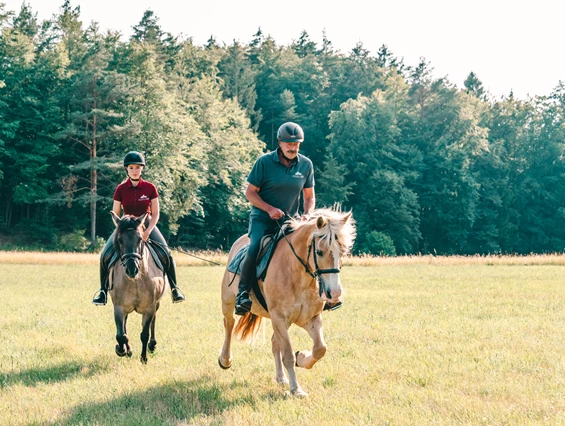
317, 274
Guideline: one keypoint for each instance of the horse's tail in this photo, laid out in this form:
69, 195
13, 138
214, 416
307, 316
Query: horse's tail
247, 327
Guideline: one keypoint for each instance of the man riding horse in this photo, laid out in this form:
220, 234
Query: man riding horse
274, 187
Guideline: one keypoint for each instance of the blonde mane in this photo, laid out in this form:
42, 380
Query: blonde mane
337, 233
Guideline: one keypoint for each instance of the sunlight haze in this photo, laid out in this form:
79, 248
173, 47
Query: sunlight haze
510, 46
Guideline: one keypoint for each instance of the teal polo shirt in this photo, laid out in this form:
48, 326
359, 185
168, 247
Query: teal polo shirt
281, 186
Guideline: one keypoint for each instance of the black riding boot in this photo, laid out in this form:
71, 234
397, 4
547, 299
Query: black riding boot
333, 306
243, 300
101, 296
176, 293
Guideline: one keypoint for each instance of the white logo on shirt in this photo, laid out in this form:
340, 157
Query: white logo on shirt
298, 175
143, 197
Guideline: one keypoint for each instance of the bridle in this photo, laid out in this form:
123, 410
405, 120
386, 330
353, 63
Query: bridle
132, 255
317, 273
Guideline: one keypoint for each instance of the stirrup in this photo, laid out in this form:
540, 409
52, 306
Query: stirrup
100, 298
179, 297
243, 303
333, 306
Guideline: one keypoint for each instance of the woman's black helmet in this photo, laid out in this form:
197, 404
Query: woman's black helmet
290, 132
134, 157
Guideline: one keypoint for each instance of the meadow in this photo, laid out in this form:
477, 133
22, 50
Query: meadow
419, 341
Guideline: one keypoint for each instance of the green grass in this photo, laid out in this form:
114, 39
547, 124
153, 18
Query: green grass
413, 345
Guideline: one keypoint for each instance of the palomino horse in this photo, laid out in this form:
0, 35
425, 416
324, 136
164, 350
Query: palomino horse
302, 276
137, 284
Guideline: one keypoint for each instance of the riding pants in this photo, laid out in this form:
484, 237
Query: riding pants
258, 227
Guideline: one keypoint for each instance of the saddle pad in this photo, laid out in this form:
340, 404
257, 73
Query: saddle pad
268, 244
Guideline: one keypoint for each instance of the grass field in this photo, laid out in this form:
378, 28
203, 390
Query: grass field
416, 343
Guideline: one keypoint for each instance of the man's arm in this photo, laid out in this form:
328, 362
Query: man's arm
252, 194
309, 200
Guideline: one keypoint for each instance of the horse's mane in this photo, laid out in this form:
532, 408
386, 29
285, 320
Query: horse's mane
336, 234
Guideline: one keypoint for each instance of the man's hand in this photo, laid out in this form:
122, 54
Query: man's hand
275, 213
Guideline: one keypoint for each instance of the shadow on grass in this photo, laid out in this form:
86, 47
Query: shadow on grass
52, 374
167, 404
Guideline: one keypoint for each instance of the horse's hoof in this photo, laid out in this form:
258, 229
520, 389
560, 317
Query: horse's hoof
151, 346
282, 381
299, 393
119, 352
143, 360
129, 353
221, 366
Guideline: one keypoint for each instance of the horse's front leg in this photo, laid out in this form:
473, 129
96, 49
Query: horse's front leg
280, 330
280, 375
147, 319
228, 304
307, 359
122, 348
152, 341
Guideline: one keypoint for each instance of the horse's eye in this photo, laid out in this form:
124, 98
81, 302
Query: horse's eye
319, 252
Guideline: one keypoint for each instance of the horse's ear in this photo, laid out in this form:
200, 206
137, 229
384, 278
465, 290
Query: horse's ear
320, 222
141, 219
346, 217
115, 217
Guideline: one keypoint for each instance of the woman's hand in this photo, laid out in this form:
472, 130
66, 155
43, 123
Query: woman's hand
145, 235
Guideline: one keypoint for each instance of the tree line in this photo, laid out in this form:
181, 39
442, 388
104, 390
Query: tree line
426, 167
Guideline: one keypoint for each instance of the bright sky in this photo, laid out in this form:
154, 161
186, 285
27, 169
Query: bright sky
509, 44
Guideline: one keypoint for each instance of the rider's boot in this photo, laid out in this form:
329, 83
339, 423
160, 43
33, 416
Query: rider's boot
243, 300
332, 306
101, 296
176, 293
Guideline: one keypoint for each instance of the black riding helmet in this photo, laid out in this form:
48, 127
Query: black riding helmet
134, 157
290, 132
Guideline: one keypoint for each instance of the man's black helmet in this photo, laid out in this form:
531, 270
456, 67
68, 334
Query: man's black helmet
134, 157
290, 132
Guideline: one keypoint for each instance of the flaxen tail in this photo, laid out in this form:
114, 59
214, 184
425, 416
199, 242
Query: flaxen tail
247, 327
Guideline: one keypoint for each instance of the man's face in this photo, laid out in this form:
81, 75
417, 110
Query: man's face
290, 149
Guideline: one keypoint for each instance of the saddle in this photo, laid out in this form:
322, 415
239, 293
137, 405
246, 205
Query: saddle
268, 245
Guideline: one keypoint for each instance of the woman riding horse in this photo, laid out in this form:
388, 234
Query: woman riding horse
137, 197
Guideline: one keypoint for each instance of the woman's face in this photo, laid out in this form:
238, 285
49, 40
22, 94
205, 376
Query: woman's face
134, 171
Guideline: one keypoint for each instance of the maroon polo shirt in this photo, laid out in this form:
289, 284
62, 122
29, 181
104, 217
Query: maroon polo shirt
136, 200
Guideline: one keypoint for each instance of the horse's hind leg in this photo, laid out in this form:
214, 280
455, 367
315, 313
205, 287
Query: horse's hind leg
307, 359
152, 341
122, 348
228, 303
146, 325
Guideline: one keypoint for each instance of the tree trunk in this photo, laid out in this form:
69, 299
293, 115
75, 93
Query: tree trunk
93, 185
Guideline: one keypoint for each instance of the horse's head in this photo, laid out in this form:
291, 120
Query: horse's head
332, 238
129, 242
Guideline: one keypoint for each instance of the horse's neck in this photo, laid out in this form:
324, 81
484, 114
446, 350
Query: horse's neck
300, 239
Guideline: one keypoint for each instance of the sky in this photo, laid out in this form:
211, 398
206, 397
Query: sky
510, 45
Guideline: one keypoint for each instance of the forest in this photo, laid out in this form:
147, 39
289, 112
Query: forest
426, 166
